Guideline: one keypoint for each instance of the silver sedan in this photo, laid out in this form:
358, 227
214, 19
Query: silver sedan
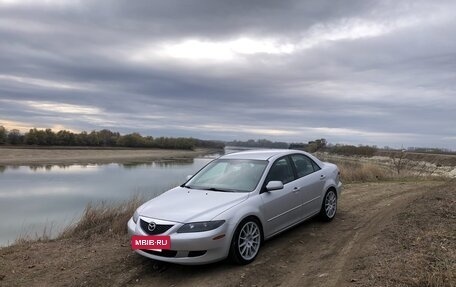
236, 202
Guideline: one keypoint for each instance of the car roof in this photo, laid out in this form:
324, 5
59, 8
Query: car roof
260, 154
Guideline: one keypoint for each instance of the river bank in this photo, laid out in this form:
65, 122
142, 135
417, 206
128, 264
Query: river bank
84, 155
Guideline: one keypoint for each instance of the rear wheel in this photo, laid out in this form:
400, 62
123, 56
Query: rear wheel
246, 242
329, 206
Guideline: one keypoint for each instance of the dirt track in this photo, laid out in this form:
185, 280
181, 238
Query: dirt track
312, 254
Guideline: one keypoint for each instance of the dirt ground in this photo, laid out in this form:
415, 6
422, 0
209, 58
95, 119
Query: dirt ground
63, 156
344, 252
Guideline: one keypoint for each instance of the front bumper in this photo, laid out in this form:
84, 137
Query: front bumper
188, 248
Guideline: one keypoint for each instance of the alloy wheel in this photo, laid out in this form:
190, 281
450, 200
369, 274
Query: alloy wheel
330, 204
249, 240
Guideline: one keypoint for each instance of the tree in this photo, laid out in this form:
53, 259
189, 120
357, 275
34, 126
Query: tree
107, 137
82, 139
3, 135
258, 143
131, 140
31, 137
15, 137
65, 138
93, 139
50, 137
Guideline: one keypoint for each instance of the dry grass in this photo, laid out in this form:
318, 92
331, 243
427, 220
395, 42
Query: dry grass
438, 159
97, 219
354, 170
362, 172
361, 169
419, 247
102, 218
44, 236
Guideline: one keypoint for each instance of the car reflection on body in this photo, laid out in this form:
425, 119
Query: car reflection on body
236, 202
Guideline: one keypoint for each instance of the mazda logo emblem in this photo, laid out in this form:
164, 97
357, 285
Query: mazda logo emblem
151, 226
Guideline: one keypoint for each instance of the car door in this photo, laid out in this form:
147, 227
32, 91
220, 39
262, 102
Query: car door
310, 183
280, 207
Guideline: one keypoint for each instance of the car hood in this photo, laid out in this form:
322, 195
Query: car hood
189, 205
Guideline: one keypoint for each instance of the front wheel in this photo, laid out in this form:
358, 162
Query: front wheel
329, 206
246, 242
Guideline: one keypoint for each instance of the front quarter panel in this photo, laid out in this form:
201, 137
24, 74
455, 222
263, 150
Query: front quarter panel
236, 214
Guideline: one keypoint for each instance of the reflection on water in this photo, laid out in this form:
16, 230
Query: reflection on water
165, 163
68, 167
32, 197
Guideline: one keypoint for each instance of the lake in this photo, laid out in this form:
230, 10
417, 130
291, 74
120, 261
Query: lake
32, 198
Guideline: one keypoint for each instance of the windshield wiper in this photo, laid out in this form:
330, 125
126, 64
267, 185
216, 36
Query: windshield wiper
218, 189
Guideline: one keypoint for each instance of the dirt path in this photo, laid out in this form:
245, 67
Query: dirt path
312, 254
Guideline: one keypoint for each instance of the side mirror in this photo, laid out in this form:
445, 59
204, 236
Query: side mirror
274, 185
189, 176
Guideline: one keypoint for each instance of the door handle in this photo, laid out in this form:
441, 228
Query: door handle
322, 176
295, 189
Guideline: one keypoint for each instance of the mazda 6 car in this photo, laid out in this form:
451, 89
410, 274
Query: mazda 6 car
235, 203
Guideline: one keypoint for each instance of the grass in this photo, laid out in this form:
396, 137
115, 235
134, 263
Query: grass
362, 172
99, 219
361, 169
44, 236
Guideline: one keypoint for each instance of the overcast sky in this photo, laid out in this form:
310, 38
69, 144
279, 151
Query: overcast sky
359, 72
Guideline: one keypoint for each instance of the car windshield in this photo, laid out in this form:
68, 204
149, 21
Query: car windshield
229, 175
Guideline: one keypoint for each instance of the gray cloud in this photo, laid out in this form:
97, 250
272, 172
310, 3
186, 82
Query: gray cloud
371, 72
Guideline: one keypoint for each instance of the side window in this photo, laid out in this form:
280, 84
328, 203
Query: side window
315, 166
281, 170
303, 164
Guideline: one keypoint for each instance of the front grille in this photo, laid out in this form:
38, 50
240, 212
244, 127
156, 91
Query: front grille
159, 228
163, 253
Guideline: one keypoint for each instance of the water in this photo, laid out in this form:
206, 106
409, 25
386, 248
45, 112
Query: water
32, 198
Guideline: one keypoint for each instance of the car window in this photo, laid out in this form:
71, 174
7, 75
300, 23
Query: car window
229, 175
303, 164
281, 170
217, 169
315, 166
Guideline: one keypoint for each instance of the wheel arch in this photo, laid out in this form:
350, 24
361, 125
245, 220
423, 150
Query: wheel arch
253, 216
333, 188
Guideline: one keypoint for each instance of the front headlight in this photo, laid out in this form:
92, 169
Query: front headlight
135, 216
200, 226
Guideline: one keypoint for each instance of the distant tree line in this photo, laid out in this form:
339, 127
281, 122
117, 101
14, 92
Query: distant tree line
263, 143
311, 146
350, 150
102, 138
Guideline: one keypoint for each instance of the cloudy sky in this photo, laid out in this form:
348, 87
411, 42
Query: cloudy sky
360, 72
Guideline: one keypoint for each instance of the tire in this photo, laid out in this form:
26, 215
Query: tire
329, 206
244, 251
